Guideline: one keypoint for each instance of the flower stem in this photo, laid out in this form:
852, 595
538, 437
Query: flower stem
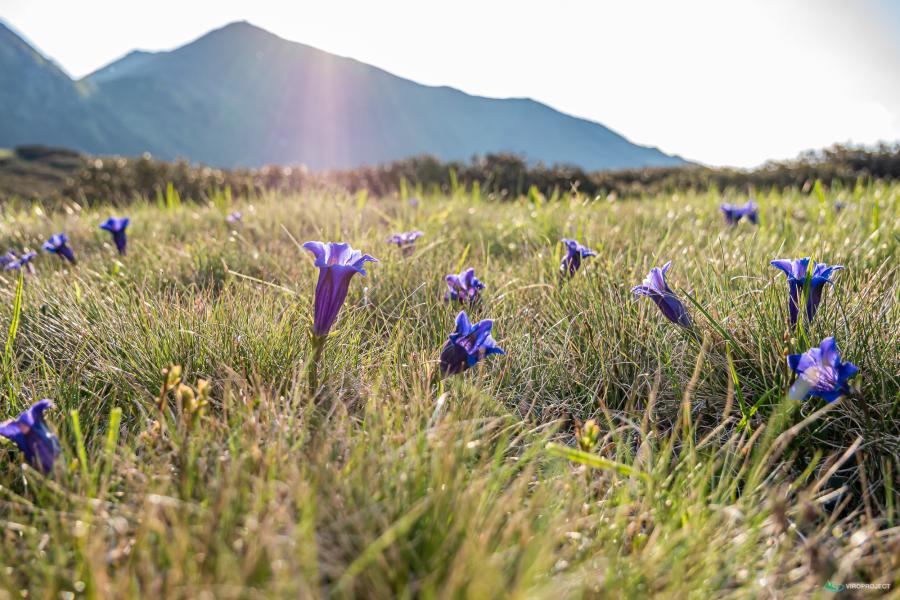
318, 346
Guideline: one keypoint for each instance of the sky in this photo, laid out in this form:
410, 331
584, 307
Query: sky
722, 82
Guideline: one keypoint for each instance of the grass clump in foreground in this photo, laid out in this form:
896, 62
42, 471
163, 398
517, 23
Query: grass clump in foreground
224, 478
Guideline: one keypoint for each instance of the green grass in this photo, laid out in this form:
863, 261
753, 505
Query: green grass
707, 482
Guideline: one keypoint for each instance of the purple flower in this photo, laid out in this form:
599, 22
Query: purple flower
414, 202
656, 288
234, 218
58, 244
734, 213
796, 271
821, 372
406, 240
32, 436
116, 226
17, 263
337, 263
467, 345
571, 262
464, 287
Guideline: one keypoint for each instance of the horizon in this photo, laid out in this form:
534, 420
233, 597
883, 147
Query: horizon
708, 124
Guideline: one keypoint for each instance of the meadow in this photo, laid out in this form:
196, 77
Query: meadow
704, 480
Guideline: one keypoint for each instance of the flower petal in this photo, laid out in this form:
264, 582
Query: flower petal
490, 346
359, 265
319, 252
847, 371
35, 414
338, 253
12, 431
829, 353
794, 362
785, 264
467, 277
463, 325
656, 280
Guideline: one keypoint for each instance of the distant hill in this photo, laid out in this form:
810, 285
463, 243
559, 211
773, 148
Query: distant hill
55, 175
37, 172
39, 103
241, 96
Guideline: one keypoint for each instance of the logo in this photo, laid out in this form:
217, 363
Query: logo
834, 587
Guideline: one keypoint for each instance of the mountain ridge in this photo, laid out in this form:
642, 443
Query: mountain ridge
242, 96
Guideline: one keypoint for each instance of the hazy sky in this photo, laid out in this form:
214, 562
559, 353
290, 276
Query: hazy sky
723, 82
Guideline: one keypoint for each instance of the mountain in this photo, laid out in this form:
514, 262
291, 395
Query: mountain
241, 96
40, 103
37, 100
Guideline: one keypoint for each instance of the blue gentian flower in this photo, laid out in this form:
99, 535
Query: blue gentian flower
467, 345
734, 213
17, 263
656, 288
7, 258
821, 373
464, 287
407, 238
234, 218
59, 244
337, 264
117, 226
31, 435
571, 262
406, 241
796, 271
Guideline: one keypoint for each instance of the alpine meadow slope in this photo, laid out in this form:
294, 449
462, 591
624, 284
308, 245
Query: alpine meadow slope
241, 96
609, 453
